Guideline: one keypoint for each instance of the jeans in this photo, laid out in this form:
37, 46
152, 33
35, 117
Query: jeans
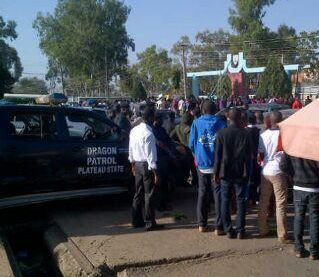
226, 188
204, 200
144, 194
204, 197
218, 207
302, 200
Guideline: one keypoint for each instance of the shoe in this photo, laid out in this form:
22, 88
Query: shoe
154, 227
241, 235
138, 225
302, 253
219, 232
203, 229
268, 234
314, 257
231, 235
285, 240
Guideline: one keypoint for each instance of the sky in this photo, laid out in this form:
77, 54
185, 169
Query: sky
160, 22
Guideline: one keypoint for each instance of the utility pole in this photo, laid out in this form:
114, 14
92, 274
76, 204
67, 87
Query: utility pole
183, 46
106, 76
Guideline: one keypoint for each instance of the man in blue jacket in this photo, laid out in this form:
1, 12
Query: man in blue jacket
202, 144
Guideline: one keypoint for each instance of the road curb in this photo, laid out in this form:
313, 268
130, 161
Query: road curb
130, 269
68, 258
5, 266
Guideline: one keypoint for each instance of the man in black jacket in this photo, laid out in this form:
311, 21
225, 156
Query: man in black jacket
232, 160
305, 175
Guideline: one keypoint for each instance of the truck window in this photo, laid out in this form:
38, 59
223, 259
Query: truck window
33, 125
88, 128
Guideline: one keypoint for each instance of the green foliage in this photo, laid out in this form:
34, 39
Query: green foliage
30, 86
274, 81
255, 39
85, 40
9, 59
183, 43
176, 78
224, 87
131, 85
6, 81
246, 17
154, 69
210, 50
138, 90
308, 54
209, 53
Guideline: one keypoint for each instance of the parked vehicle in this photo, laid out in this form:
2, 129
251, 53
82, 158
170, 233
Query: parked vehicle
51, 153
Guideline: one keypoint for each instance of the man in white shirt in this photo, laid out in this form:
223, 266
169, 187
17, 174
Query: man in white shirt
143, 157
272, 179
181, 103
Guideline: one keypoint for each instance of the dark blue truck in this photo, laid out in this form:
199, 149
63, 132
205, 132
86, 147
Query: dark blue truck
53, 153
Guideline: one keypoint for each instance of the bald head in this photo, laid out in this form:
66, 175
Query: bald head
234, 116
275, 118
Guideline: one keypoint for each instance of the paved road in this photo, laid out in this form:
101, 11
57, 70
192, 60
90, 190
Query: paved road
104, 240
92, 237
272, 263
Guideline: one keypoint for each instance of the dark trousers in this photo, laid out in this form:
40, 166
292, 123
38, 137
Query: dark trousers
226, 192
204, 199
302, 200
191, 167
163, 170
144, 194
254, 182
218, 207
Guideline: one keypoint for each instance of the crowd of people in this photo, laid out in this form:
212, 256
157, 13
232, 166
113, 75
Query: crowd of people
235, 157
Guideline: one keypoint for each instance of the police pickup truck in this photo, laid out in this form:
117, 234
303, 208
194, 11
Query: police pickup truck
53, 153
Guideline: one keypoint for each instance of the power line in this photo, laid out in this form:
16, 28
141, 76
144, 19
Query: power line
264, 40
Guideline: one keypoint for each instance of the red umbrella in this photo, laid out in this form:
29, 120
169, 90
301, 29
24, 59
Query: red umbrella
300, 133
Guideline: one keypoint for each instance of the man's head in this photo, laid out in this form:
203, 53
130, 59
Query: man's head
125, 108
148, 115
158, 119
252, 119
244, 119
187, 119
234, 116
259, 117
275, 118
208, 107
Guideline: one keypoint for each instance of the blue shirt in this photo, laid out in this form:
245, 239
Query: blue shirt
202, 139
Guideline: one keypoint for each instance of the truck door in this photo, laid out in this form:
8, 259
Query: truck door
32, 153
96, 153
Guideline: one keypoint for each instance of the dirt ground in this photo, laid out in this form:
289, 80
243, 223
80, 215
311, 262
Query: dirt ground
103, 237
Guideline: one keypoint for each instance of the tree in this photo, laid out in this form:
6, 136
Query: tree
154, 69
6, 80
10, 64
138, 90
30, 86
224, 87
131, 85
176, 78
209, 53
254, 38
177, 49
274, 81
85, 40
